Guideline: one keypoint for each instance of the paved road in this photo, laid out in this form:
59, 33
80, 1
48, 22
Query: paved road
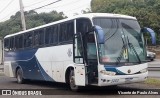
62, 89
154, 68
155, 63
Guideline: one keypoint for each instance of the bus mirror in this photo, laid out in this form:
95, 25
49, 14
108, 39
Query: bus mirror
100, 34
151, 32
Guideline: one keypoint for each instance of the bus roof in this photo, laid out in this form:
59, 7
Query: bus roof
89, 15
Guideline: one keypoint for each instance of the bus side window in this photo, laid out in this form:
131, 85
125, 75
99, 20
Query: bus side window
6, 44
83, 25
51, 35
17, 42
70, 30
41, 36
20, 41
48, 35
66, 31
36, 38
55, 34
28, 39
63, 32
12, 43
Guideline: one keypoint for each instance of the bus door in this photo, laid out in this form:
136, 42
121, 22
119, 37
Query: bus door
92, 62
80, 65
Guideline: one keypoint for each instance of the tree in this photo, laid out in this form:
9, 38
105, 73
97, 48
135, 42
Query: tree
33, 19
146, 11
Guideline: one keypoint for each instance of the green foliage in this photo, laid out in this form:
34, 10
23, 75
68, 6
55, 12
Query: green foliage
146, 11
33, 19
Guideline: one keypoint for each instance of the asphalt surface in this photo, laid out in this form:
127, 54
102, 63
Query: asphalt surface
59, 90
155, 63
154, 68
11, 83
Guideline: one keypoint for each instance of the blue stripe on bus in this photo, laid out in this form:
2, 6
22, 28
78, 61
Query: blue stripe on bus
45, 75
33, 70
114, 69
29, 64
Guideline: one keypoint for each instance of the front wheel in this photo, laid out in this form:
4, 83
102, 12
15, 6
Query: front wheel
20, 78
72, 84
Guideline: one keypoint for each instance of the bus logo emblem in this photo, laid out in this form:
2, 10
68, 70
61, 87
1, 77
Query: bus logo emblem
129, 71
69, 52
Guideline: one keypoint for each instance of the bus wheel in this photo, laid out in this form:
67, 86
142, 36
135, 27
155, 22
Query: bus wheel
20, 79
72, 84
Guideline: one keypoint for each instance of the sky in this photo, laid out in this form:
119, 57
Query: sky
68, 7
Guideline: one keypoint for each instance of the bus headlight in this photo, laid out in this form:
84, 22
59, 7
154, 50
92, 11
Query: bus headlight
110, 73
144, 70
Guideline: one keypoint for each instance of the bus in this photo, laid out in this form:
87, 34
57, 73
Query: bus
99, 49
1, 51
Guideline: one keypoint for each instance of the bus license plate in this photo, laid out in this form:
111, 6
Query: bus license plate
127, 80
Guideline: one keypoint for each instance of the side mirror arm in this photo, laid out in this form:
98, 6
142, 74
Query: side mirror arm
151, 32
100, 34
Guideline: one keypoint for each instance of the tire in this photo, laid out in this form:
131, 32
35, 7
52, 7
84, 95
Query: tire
72, 85
20, 78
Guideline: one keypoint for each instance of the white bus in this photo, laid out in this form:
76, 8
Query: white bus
92, 49
1, 51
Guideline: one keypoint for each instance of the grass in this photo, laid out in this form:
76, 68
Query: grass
153, 81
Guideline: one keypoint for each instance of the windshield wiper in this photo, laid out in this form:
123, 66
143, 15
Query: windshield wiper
132, 47
122, 50
121, 53
120, 56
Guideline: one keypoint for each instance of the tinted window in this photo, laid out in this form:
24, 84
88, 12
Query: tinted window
39, 37
83, 25
11, 43
55, 34
6, 44
16, 42
63, 32
19, 41
28, 39
66, 31
51, 35
48, 35
70, 30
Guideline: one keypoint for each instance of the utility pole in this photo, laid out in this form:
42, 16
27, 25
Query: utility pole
22, 15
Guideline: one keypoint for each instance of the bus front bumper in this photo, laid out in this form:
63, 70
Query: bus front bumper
106, 80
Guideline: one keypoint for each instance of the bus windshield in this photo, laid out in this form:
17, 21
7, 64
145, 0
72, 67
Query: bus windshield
123, 41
